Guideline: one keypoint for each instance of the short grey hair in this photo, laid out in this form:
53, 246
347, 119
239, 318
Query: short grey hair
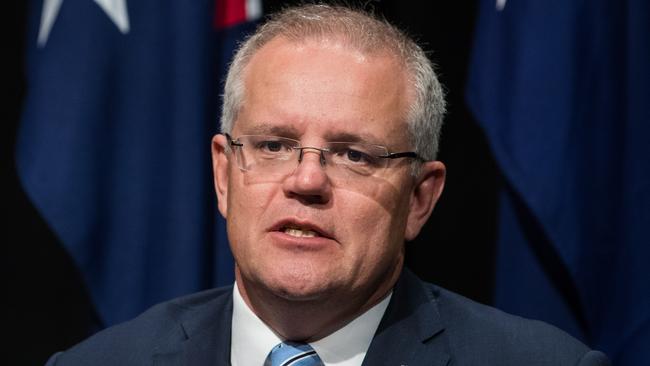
364, 32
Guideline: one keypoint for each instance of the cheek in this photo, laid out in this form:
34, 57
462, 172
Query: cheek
371, 226
247, 206
374, 242
249, 198
381, 208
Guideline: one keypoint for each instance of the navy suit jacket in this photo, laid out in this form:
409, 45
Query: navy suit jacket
423, 325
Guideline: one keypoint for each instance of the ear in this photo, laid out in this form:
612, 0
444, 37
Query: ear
426, 192
220, 171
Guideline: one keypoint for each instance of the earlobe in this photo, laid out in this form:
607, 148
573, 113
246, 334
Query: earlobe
427, 191
220, 171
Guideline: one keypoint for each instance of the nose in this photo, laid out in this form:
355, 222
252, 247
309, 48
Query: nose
309, 182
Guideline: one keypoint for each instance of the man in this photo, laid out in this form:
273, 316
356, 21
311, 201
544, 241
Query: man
326, 165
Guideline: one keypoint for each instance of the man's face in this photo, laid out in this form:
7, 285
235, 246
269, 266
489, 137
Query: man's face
316, 92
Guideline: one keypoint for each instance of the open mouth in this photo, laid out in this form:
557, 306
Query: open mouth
300, 229
299, 232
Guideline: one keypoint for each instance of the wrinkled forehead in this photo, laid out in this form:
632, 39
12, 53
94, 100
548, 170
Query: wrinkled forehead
325, 81
362, 49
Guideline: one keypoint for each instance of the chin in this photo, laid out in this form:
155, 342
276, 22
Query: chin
301, 285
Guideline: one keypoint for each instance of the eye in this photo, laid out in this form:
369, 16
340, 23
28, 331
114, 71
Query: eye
271, 146
353, 155
356, 156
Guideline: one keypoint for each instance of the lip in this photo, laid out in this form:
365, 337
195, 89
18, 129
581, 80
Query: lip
303, 224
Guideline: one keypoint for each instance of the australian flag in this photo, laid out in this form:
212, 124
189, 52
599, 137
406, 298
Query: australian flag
114, 143
562, 91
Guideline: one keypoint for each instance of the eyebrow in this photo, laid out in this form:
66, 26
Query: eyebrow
294, 133
350, 137
274, 130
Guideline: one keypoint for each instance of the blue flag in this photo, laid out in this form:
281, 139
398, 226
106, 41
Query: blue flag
562, 91
114, 145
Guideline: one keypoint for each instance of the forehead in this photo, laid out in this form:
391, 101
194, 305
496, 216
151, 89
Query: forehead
325, 87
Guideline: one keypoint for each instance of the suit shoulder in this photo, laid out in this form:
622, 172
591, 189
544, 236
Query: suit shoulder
136, 340
481, 334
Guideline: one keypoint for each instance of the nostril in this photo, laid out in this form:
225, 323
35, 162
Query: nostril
308, 199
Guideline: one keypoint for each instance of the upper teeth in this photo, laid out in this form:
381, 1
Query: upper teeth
300, 233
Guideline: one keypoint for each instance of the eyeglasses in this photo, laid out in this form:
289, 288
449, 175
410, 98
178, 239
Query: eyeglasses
275, 155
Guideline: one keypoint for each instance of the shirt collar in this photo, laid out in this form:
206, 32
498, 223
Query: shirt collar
252, 339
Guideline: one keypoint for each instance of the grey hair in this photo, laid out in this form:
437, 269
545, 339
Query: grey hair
365, 33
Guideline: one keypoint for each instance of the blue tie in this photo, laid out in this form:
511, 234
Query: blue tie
293, 354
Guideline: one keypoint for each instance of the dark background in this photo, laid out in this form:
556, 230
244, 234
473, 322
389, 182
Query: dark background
45, 303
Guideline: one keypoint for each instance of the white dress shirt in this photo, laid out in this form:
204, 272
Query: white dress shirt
252, 339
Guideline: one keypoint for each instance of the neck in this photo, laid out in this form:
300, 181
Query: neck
312, 319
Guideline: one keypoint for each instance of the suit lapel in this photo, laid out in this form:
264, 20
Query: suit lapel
411, 332
206, 336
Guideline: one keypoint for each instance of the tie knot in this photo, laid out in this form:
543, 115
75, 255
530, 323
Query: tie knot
293, 354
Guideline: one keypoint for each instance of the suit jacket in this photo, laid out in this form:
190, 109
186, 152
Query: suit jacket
423, 325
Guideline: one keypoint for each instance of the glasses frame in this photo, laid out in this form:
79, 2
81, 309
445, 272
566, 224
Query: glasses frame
397, 155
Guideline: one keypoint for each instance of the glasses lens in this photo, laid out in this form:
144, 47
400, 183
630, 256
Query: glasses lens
265, 153
359, 158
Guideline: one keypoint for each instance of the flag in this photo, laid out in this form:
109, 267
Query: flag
114, 144
562, 91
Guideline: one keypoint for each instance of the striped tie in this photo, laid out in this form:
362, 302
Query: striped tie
293, 354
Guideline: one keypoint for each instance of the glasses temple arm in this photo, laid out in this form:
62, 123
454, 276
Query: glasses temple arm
408, 154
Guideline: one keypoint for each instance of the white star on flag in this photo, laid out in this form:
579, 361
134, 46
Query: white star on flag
115, 9
253, 9
501, 4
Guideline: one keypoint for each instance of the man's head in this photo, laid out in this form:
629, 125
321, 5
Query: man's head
364, 33
326, 224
